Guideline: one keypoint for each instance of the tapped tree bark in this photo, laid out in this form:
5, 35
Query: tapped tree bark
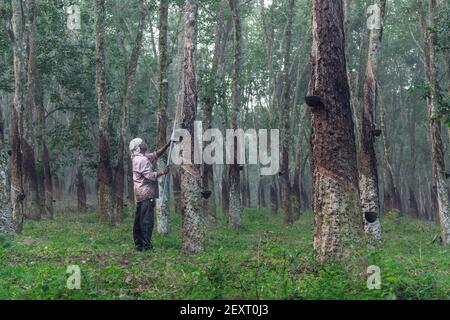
434, 125
338, 225
286, 119
130, 74
235, 209
193, 224
162, 219
104, 171
367, 166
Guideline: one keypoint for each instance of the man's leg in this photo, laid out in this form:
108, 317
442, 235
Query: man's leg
147, 221
137, 230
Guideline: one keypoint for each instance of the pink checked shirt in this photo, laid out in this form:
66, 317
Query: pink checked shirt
145, 177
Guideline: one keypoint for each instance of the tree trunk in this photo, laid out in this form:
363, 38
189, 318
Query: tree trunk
178, 91
447, 71
261, 194
6, 221
225, 191
209, 205
18, 39
104, 170
268, 41
130, 74
434, 126
286, 118
6, 218
193, 233
176, 190
162, 219
235, 209
245, 188
44, 199
338, 225
32, 205
81, 191
413, 206
273, 197
367, 166
79, 179
391, 198
297, 172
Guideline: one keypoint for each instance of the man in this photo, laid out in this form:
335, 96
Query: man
145, 179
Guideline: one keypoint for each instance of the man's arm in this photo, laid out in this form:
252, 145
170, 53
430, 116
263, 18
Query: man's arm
161, 151
149, 174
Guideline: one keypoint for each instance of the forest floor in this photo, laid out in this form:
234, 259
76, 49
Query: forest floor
264, 260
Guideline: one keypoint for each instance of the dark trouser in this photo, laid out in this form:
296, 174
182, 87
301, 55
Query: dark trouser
143, 224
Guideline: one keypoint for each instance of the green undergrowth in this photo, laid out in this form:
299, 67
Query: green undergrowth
265, 259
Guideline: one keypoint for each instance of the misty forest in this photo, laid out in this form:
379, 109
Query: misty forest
358, 208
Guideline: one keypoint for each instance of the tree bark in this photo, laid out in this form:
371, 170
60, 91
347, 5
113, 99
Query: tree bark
6, 220
104, 171
32, 203
235, 210
261, 194
178, 91
209, 205
434, 125
286, 118
35, 100
193, 224
274, 204
79, 179
338, 225
225, 191
391, 198
6, 217
367, 166
162, 219
299, 184
412, 199
18, 39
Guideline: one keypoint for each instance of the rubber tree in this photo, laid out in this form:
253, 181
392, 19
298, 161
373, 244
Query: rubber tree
367, 165
36, 103
209, 100
104, 170
6, 218
286, 119
440, 187
338, 225
235, 205
18, 38
162, 219
193, 222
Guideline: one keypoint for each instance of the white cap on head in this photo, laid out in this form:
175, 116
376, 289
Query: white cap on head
134, 146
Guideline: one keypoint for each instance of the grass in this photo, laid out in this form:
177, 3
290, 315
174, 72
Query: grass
263, 260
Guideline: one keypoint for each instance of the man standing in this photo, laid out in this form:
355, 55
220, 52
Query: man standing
145, 179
